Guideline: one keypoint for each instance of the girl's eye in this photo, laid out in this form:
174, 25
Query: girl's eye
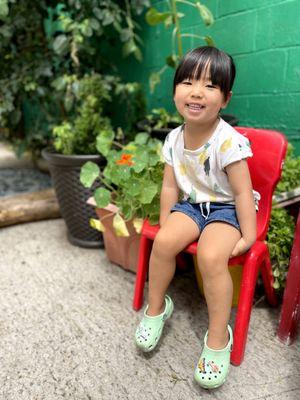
186, 83
211, 86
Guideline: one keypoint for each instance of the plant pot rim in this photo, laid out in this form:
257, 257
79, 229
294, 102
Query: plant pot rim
143, 123
53, 157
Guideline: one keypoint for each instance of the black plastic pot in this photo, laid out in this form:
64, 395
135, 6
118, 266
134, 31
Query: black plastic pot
162, 132
230, 119
156, 133
72, 196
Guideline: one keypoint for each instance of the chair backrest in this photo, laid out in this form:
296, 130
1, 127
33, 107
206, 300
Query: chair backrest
269, 150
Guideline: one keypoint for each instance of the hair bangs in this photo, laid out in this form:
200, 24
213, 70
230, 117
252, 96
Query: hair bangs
207, 62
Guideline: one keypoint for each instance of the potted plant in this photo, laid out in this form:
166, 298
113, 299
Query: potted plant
159, 122
131, 183
42, 42
74, 144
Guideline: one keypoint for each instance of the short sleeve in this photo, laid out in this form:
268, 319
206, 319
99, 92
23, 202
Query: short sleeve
167, 150
234, 148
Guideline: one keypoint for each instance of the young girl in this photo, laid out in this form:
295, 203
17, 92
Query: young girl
205, 161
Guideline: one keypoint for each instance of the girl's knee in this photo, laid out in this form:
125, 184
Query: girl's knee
163, 244
210, 263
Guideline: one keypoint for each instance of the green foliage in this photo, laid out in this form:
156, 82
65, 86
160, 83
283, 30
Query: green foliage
282, 226
88, 103
132, 178
78, 134
280, 240
82, 22
25, 63
172, 17
161, 118
43, 41
290, 178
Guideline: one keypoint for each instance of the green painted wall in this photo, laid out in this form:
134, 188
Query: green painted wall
263, 36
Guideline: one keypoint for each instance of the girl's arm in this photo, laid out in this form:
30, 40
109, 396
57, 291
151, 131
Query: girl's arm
169, 193
240, 181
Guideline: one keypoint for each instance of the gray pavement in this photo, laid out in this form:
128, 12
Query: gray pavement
67, 326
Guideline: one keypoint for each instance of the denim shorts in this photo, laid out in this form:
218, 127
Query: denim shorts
205, 213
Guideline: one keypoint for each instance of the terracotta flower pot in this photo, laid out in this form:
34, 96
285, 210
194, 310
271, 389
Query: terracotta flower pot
123, 251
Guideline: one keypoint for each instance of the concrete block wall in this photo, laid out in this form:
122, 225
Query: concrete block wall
263, 36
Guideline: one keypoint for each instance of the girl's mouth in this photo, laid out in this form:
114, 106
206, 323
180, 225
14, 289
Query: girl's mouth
195, 107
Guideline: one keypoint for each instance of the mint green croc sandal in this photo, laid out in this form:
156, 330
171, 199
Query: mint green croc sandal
150, 329
213, 366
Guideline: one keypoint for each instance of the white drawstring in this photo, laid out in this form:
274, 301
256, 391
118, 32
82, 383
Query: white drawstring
207, 204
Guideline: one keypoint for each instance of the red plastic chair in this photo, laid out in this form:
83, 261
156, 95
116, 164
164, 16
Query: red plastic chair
269, 149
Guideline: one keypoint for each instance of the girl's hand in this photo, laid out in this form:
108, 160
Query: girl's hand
241, 247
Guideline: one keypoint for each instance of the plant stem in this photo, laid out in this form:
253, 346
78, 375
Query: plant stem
178, 34
186, 2
192, 35
118, 144
102, 179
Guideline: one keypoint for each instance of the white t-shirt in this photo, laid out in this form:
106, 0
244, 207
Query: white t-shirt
200, 173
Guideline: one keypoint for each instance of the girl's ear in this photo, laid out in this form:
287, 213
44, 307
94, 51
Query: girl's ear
227, 100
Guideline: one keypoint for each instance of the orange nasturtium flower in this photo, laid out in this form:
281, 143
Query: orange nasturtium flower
126, 159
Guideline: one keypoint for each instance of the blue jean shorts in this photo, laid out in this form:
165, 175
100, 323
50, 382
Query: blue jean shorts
205, 213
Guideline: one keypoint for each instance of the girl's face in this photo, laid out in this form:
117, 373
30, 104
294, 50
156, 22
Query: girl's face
199, 101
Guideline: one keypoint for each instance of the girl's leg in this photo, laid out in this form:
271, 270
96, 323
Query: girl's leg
214, 249
178, 232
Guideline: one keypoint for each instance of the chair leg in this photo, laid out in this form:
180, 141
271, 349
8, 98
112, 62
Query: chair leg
268, 280
142, 267
248, 283
290, 312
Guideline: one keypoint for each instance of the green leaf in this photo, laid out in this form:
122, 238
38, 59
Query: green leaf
102, 197
94, 24
88, 173
149, 193
206, 14
139, 165
138, 54
276, 272
108, 17
209, 41
172, 60
141, 138
96, 224
168, 21
120, 226
134, 188
104, 141
276, 284
153, 17
3, 9
138, 224
125, 35
128, 48
154, 80
60, 44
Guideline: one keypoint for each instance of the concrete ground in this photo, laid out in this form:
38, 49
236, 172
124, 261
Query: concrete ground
67, 327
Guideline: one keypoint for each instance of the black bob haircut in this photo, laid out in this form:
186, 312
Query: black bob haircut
220, 66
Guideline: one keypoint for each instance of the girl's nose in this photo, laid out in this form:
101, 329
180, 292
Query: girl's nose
197, 90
